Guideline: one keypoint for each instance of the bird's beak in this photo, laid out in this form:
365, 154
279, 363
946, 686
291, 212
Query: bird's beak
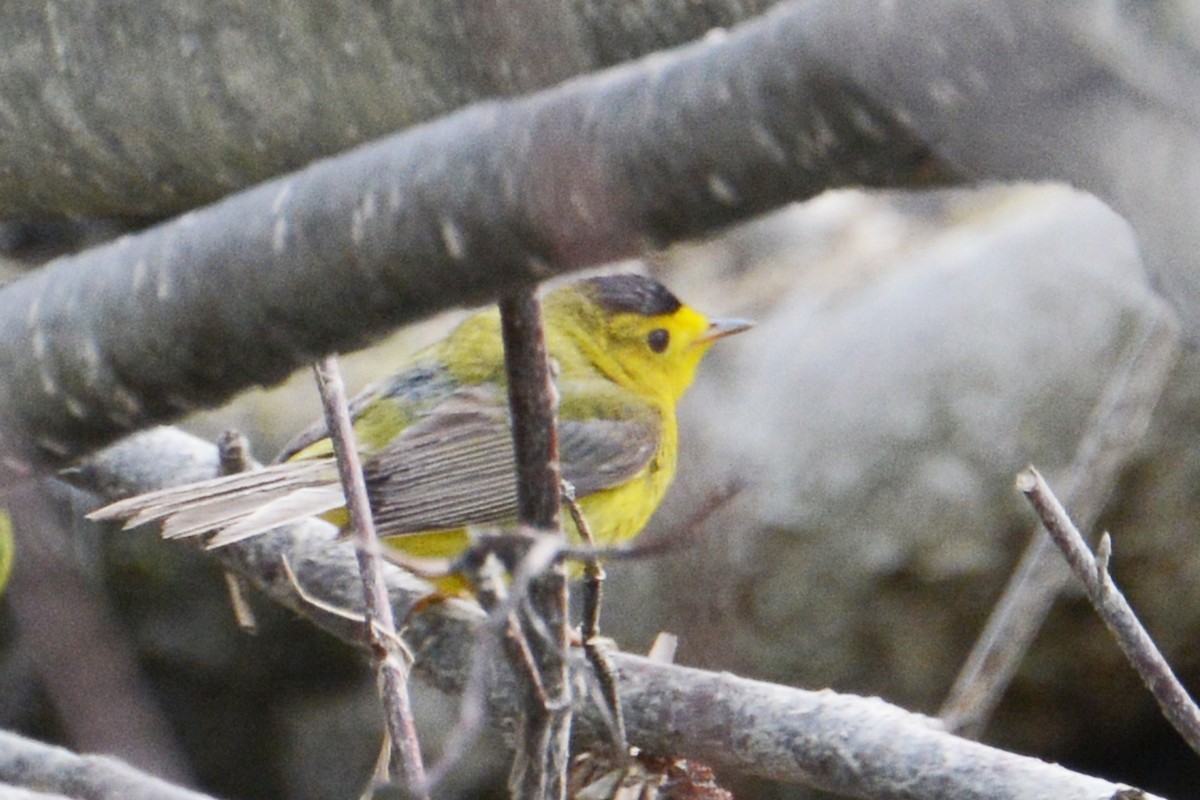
720, 328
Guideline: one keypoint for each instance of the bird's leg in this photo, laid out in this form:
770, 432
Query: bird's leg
597, 656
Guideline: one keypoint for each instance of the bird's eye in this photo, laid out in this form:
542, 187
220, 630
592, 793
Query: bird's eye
658, 339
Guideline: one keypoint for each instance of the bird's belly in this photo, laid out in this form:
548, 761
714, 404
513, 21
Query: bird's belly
619, 514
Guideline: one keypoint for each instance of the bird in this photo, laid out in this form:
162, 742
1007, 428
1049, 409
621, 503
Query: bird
435, 438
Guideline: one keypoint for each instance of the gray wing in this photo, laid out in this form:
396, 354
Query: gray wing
455, 467
610, 435
452, 468
597, 454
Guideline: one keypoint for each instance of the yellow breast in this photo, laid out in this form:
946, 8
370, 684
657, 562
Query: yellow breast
619, 514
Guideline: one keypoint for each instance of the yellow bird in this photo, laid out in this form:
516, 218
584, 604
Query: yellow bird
436, 441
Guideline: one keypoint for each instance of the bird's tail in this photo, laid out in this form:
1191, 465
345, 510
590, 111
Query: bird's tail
238, 506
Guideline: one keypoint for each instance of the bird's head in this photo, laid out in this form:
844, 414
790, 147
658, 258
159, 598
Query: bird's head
640, 335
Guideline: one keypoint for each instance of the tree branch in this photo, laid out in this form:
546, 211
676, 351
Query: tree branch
386, 650
150, 112
854, 746
1116, 427
485, 202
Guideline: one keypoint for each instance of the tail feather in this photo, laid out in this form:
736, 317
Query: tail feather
236, 506
296, 505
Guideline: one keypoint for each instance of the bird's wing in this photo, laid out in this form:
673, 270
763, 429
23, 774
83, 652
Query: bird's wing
597, 454
606, 434
451, 468
455, 467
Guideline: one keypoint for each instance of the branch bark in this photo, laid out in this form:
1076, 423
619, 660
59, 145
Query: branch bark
114, 109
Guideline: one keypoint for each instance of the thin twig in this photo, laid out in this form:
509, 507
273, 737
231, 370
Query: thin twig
502, 631
473, 700
543, 754
483, 565
593, 596
1116, 427
329, 608
390, 661
233, 456
1112, 607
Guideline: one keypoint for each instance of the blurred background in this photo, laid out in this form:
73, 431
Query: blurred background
916, 348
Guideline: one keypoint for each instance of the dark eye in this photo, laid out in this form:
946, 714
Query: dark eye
658, 339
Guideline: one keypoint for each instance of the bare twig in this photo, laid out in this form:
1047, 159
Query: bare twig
1117, 424
233, 456
486, 571
593, 596
488, 579
390, 660
1112, 607
543, 755
233, 453
243, 612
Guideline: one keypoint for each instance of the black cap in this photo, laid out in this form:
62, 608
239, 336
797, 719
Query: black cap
632, 294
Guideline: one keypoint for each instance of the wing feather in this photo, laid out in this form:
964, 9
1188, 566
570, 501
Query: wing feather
455, 467
451, 468
597, 454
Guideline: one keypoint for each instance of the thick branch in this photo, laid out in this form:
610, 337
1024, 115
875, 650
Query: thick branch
854, 746
485, 202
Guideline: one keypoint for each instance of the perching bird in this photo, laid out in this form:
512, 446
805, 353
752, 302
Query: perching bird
436, 443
